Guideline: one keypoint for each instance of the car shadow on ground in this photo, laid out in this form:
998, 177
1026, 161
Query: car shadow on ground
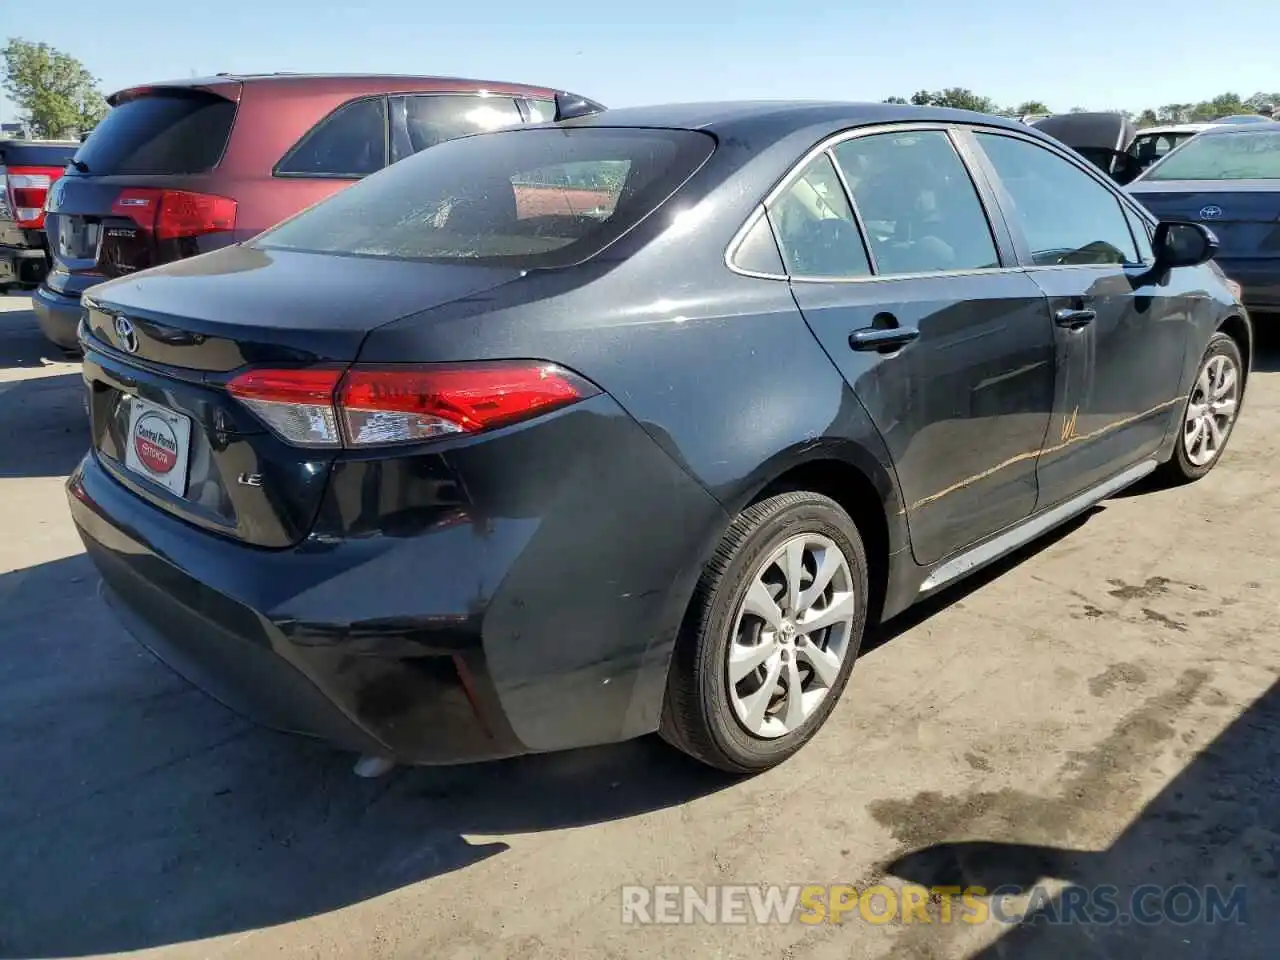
137, 813
44, 430
154, 816
21, 342
1213, 831
1266, 354
884, 633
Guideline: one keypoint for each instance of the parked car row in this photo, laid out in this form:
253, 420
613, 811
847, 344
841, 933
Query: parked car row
176, 169
562, 434
1225, 174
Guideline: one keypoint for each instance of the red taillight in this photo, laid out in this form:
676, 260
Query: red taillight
171, 214
27, 189
296, 404
378, 405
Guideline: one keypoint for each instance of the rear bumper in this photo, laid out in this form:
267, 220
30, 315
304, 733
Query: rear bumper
1259, 281
515, 634
23, 264
191, 599
58, 316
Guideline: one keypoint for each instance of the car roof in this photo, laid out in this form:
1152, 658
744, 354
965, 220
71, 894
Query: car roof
25, 142
775, 119
354, 83
1242, 129
1176, 128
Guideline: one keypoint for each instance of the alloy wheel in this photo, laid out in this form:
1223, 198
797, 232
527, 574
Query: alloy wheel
790, 635
1211, 410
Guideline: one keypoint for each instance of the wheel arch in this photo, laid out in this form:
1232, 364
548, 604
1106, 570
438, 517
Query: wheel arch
1240, 330
858, 480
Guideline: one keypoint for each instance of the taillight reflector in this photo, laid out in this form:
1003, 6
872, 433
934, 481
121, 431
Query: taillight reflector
378, 405
171, 214
296, 404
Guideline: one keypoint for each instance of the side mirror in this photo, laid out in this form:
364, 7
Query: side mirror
1182, 243
569, 105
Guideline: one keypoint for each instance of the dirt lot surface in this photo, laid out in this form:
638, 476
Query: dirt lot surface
1101, 710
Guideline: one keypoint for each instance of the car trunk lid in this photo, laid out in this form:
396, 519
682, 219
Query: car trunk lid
162, 348
1244, 215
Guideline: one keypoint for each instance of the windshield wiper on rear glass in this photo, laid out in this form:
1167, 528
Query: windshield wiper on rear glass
80, 165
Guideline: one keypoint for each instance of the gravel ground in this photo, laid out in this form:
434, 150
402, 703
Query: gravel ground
1101, 709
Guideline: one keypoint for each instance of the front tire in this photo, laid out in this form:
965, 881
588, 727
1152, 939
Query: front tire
1209, 414
771, 636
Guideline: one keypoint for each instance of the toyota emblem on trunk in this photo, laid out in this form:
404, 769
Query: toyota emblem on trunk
125, 333
1210, 212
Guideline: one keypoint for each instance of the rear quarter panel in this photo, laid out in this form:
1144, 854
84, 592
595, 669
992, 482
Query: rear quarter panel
719, 370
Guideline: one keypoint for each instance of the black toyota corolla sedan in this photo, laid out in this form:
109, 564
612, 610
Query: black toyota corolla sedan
1228, 178
563, 435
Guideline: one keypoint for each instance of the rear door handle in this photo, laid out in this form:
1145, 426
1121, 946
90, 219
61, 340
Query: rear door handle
1074, 319
881, 338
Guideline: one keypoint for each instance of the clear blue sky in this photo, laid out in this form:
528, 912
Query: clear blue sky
1151, 53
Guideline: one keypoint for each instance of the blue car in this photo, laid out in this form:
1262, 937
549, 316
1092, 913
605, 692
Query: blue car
1229, 179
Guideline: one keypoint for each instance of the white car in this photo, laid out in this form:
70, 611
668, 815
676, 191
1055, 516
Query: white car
1154, 142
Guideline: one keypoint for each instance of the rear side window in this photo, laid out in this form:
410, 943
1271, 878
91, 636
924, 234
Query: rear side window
816, 231
541, 111
920, 208
758, 251
423, 121
351, 142
159, 134
1067, 217
529, 198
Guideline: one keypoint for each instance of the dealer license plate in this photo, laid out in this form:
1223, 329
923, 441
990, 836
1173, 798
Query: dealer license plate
158, 444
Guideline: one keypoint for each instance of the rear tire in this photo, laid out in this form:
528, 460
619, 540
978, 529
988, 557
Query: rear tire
729, 699
1209, 414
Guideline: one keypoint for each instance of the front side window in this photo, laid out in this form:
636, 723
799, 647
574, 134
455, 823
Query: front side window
424, 121
1238, 155
530, 198
814, 224
1067, 217
350, 142
920, 208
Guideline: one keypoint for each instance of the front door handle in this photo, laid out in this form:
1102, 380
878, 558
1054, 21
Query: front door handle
882, 338
1074, 319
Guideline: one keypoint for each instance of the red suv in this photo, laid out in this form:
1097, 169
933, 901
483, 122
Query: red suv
181, 168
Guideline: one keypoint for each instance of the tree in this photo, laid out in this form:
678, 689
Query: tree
1148, 118
1031, 106
895, 100
960, 98
1223, 105
57, 95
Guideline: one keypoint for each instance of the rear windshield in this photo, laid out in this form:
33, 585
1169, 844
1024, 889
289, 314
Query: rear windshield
1222, 156
159, 134
529, 198
18, 154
